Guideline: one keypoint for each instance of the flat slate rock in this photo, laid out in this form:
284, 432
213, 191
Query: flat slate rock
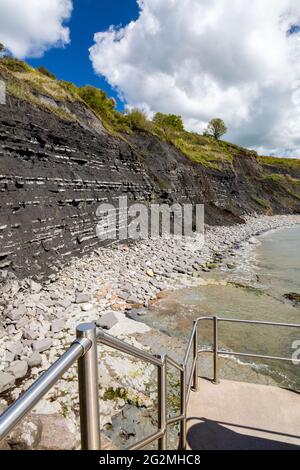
107, 321
42, 345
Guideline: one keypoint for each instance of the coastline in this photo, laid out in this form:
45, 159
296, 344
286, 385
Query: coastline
39, 320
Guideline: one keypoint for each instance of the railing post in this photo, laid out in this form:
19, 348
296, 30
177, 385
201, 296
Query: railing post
162, 401
195, 357
88, 390
216, 349
182, 435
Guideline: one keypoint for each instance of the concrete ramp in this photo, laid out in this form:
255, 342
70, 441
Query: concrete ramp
238, 415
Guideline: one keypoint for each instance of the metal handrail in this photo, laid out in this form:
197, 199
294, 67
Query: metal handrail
84, 350
217, 352
11, 417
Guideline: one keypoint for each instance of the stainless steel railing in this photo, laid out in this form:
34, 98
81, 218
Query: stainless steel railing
84, 350
217, 352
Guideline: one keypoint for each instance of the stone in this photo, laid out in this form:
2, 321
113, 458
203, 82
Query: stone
107, 321
26, 435
15, 348
35, 287
6, 381
82, 298
57, 326
30, 334
150, 273
42, 345
87, 307
133, 299
56, 434
22, 322
35, 360
9, 357
18, 369
65, 303
41, 308
17, 313
55, 296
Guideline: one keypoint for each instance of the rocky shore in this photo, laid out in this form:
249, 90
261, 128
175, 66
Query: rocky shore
38, 321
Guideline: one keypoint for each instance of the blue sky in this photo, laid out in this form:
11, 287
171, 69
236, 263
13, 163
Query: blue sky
72, 62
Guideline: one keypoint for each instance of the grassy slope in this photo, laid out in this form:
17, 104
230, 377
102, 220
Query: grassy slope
26, 83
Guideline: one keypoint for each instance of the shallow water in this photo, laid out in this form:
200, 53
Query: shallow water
268, 270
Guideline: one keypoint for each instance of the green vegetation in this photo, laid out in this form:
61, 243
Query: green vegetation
15, 65
291, 163
46, 72
261, 202
41, 88
138, 121
216, 128
168, 123
103, 107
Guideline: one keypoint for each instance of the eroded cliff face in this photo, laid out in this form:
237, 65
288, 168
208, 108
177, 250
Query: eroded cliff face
53, 176
54, 173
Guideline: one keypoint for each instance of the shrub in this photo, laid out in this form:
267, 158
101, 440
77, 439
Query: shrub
96, 99
137, 120
46, 72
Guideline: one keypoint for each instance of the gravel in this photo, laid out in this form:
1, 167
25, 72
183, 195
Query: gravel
39, 321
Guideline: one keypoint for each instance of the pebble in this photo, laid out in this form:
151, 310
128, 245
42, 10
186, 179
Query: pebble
119, 276
57, 326
35, 360
82, 298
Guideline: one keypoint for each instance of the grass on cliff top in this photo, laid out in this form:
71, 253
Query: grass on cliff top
29, 84
42, 89
207, 150
280, 162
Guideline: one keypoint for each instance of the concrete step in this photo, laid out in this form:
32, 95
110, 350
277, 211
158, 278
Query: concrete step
238, 415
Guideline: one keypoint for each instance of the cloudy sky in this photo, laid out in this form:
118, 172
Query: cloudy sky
234, 59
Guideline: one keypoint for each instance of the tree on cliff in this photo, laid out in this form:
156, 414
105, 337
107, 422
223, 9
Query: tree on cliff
2, 48
216, 128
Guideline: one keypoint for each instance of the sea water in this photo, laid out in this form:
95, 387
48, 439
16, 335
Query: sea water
260, 274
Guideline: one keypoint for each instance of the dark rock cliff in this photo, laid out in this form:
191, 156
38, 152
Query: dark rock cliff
54, 173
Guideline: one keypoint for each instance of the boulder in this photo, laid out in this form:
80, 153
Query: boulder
56, 434
26, 435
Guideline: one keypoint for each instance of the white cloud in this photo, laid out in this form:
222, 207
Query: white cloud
211, 58
29, 27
